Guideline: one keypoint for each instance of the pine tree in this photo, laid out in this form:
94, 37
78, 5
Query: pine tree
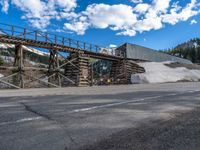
193, 55
198, 55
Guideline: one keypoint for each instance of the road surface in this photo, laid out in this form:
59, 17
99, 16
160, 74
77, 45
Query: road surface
151, 116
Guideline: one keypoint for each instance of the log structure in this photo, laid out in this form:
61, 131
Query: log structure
79, 70
19, 63
121, 71
75, 69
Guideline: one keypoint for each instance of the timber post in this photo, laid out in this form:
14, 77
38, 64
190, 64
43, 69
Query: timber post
79, 71
19, 63
91, 74
54, 69
74, 70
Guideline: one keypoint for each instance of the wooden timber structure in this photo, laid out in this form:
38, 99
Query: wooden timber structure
121, 72
75, 70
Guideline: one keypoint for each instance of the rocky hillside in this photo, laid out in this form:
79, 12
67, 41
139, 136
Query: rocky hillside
31, 54
188, 50
193, 43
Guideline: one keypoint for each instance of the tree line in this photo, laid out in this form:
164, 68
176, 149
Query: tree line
187, 51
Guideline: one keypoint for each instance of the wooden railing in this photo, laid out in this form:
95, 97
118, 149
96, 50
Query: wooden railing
40, 36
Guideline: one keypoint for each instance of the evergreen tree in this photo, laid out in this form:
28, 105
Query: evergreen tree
193, 55
198, 55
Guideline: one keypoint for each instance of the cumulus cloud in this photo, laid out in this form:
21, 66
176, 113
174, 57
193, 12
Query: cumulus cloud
40, 12
193, 22
35, 12
115, 17
178, 14
137, 1
121, 18
68, 5
78, 27
141, 8
112, 46
127, 20
5, 5
160, 6
124, 18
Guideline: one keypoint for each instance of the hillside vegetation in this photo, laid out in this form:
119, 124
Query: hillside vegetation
188, 50
34, 57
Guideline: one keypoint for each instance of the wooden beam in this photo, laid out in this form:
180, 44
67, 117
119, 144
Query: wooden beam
12, 85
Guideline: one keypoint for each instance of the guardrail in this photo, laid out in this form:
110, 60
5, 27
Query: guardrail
29, 34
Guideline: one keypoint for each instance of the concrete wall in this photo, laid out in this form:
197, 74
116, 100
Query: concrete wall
142, 53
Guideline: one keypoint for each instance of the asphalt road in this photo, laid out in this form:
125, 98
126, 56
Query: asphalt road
112, 117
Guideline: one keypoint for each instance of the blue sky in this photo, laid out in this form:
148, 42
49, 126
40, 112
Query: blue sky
158, 24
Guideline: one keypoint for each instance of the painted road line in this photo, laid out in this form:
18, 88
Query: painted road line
113, 104
130, 101
20, 121
104, 106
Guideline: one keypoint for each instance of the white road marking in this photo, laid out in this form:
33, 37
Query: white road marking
20, 120
103, 106
153, 97
130, 101
191, 91
172, 94
113, 104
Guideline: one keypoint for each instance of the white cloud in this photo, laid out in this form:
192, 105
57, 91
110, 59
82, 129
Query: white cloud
160, 6
137, 1
35, 11
127, 20
181, 14
193, 22
79, 27
5, 5
102, 15
112, 46
149, 24
115, 17
141, 8
123, 19
128, 32
40, 12
66, 4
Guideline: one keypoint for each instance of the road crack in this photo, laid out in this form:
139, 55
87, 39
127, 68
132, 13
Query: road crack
28, 108
60, 124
